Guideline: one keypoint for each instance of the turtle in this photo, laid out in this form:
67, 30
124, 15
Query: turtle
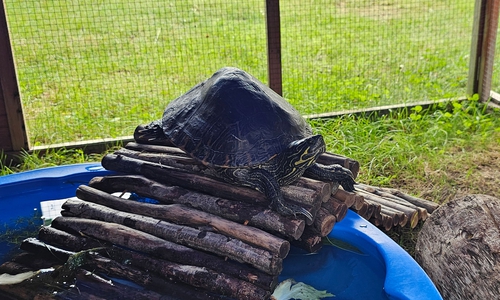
247, 135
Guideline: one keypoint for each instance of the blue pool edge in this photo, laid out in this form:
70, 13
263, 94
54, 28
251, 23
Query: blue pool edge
405, 279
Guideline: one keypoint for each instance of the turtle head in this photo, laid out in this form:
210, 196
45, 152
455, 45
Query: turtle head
299, 155
306, 151
151, 133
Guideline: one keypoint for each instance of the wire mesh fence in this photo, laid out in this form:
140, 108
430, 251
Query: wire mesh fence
96, 69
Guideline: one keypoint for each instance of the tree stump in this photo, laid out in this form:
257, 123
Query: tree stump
459, 248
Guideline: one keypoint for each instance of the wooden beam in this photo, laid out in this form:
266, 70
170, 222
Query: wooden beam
482, 54
9, 90
274, 45
380, 110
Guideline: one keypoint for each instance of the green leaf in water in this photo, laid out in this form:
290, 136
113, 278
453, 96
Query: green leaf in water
342, 245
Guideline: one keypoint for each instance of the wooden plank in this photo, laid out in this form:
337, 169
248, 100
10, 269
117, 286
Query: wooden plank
483, 48
274, 45
9, 90
475, 49
489, 43
380, 110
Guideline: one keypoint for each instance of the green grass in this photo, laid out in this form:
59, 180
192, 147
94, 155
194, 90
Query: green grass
96, 69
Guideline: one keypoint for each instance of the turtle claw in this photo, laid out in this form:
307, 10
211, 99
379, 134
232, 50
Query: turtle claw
306, 213
348, 184
294, 210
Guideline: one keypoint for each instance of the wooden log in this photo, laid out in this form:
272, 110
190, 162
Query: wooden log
67, 241
237, 211
384, 221
13, 268
325, 158
169, 175
183, 215
43, 250
324, 222
459, 246
200, 277
422, 212
320, 189
399, 218
336, 208
361, 209
33, 261
143, 147
430, 206
366, 211
156, 247
203, 240
347, 197
165, 159
89, 285
310, 241
305, 190
324, 189
411, 213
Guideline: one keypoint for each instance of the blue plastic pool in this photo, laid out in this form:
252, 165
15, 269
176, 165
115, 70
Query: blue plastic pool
377, 269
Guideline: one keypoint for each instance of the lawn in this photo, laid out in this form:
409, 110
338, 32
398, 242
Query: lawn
90, 70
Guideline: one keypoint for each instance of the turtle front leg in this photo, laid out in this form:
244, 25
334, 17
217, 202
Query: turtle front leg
264, 182
332, 173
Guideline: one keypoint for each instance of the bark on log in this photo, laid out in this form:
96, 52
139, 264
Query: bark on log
428, 205
305, 190
199, 277
336, 208
237, 211
202, 240
169, 175
67, 241
350, 199
411, 213
183, 215
459, 248
310, 241
34, 261
360, 209
175, 161
13, 268
398, 217
90, 286
43, 250
324, 222
325, 158
422, 212
143, 242
155, 148
148, 263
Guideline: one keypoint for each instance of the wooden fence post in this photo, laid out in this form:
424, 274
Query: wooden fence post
13, 136
274, 45
482, 54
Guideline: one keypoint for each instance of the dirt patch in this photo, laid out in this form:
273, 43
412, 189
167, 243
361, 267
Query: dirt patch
460, 174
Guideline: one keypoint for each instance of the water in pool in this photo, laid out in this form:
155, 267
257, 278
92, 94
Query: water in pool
343, 273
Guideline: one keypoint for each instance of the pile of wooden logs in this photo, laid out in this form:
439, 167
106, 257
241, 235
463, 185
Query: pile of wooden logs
387, 208
192, 235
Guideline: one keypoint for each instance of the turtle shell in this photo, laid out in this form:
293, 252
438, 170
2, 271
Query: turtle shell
232, 120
